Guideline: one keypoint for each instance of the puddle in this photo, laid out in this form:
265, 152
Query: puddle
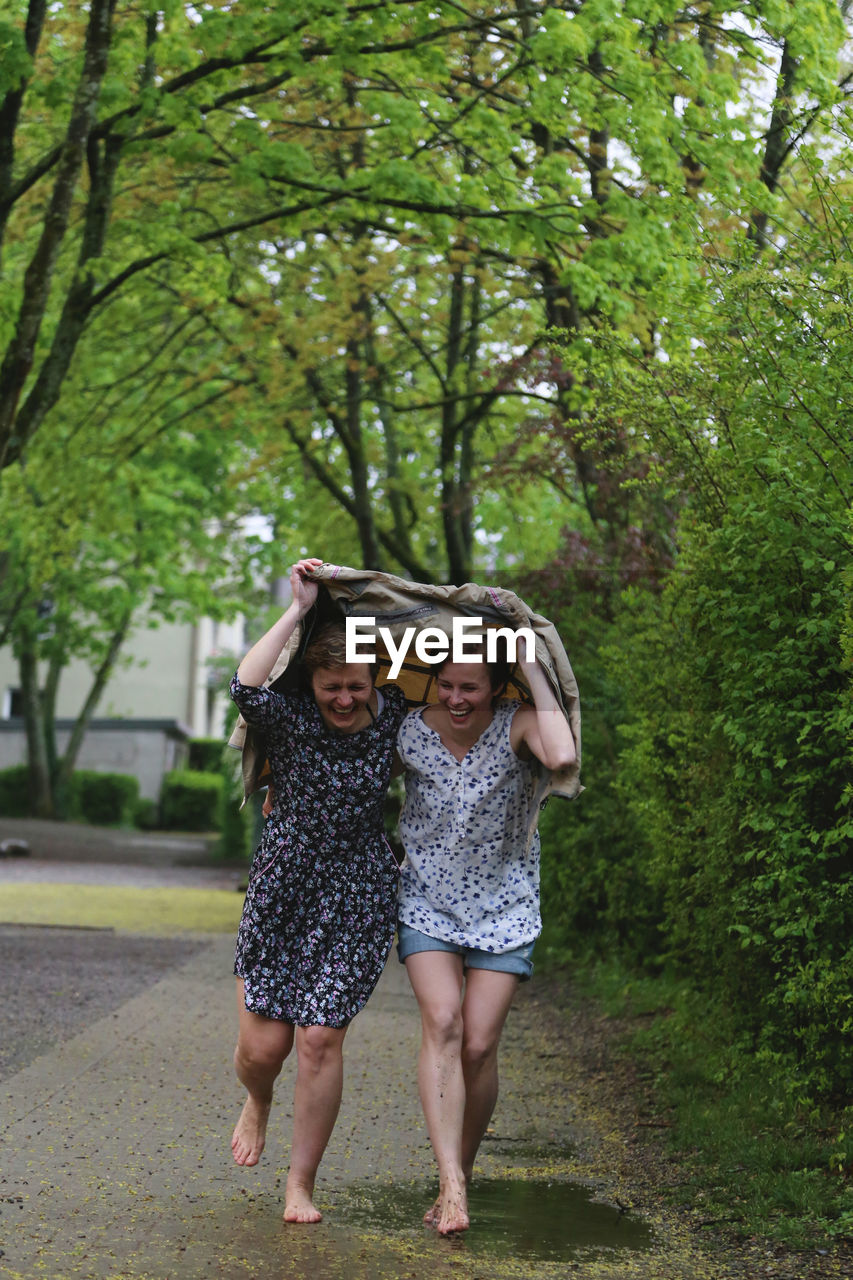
523, 1150
537, 1220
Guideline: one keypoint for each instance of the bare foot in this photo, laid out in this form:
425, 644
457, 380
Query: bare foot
250, 1131
432, 1214
450, 1212
298, 1205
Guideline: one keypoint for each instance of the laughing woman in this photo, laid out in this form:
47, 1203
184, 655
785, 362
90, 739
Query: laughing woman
320, 910
469, 893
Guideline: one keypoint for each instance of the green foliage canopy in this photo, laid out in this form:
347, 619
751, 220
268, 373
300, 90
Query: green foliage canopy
542, 161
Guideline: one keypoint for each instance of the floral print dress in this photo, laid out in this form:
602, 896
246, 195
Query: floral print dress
319, 916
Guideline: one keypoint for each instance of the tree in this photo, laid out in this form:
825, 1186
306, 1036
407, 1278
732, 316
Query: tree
574, 265
558, 148
103, 538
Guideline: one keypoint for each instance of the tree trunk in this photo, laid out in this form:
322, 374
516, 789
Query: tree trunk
78, 302
47, 705
41, 783
68, 761
777, 141
452, 499
39, 275
10, 110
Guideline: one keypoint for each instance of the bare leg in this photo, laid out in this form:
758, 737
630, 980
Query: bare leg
316, 1102
488, 996
262, 1046
436, 978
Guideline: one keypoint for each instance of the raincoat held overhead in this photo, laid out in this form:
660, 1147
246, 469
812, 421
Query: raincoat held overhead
397, 604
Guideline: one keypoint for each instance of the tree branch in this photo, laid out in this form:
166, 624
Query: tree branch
38, 278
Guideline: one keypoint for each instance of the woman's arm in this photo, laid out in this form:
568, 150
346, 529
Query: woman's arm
543, 728
261, 658
397, 766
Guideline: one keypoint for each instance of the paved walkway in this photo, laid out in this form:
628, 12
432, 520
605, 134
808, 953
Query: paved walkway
115, 1158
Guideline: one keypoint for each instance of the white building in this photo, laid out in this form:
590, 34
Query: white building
170, 685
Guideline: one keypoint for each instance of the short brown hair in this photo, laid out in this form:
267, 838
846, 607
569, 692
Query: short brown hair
328, 648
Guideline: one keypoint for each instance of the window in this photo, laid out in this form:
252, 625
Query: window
13, 704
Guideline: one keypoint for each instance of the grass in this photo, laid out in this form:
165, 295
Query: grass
751, 1155
127, 910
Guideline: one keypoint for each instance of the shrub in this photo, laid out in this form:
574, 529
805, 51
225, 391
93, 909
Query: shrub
205, 755
596, 892
597, 897
104, 799
237, 838
146, 815
241, 827
192, 801
737, 692
731, 746
15, 791
734, 774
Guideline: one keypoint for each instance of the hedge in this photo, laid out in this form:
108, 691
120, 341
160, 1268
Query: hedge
192, 800
205, 755
104, 799
15, 791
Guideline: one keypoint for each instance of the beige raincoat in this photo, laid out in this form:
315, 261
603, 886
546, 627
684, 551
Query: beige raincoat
396, 604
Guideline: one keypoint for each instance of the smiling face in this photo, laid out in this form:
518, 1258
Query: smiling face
465, 693
342, 695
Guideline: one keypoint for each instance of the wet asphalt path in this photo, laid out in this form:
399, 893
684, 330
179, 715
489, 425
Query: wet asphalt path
117, 1101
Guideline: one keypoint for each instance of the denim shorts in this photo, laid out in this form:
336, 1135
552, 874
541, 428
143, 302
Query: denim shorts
518, 961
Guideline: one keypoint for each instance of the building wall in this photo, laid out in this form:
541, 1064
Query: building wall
172, 684
146, 749
164, 674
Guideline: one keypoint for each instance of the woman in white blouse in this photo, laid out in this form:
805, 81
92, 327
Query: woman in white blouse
468, 911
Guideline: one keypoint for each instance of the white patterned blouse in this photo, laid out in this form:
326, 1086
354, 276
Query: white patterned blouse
471, 874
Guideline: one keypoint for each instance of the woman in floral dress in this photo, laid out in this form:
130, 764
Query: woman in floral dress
320, 910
